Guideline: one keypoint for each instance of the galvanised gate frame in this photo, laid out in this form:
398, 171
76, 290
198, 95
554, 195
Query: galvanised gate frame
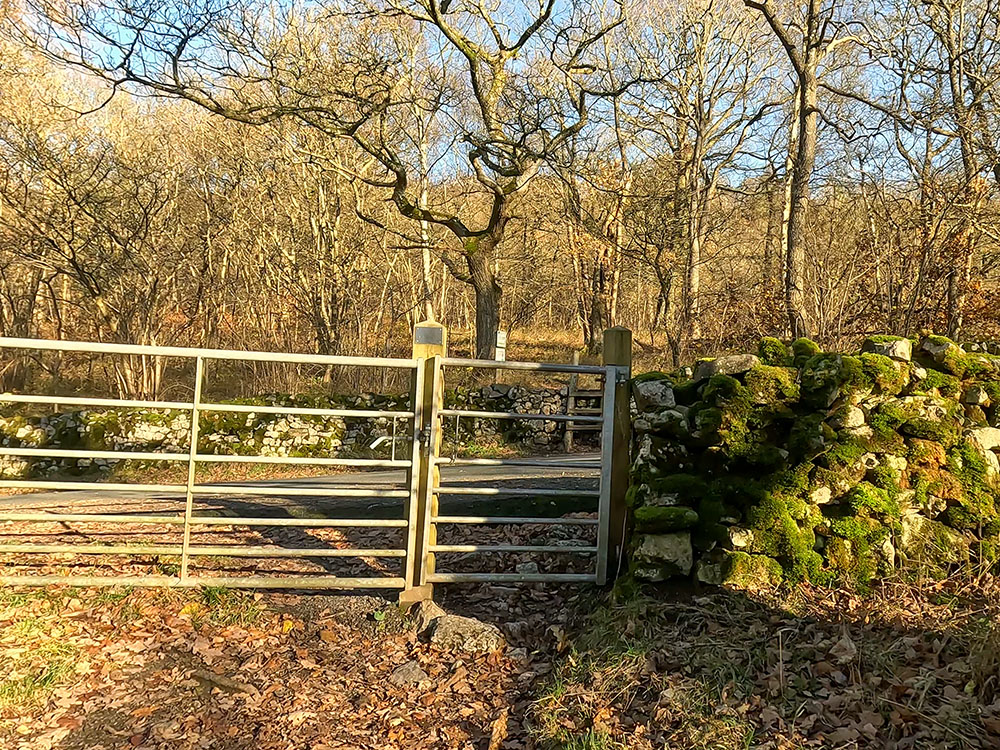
419, 497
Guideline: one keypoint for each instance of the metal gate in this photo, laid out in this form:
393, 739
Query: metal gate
416, 520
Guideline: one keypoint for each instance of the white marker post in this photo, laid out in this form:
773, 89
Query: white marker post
500, 356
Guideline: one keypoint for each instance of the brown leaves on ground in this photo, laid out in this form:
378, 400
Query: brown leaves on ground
152, 671
906, 668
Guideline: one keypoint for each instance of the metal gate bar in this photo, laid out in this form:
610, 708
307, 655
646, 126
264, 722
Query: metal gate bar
191, 489
420, 495
611, 375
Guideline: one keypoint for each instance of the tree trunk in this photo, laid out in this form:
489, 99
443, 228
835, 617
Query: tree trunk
799, 200
964, 242
580, 281
489, 295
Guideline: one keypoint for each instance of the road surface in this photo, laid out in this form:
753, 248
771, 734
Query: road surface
499, 477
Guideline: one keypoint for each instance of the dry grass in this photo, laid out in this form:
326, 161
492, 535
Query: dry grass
906, 667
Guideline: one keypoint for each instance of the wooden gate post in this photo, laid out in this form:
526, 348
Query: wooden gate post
430, 341
618, 351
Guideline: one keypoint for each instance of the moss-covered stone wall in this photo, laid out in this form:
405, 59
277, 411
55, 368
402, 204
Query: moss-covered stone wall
266, 434
798, 464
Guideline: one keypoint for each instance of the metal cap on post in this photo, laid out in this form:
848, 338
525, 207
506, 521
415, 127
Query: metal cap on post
430, 341
617, 351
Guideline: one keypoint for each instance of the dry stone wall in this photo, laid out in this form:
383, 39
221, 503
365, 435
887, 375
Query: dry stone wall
254, 433
797, 464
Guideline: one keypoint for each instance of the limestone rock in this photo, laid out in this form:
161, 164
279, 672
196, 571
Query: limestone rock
864, 432
653, 395
733, 364
424, 613
899, 349
849, 417
987, 440
408, 674
896, 463
658, 557
821, 496
739, 538
976, 396
753, 572
465, 634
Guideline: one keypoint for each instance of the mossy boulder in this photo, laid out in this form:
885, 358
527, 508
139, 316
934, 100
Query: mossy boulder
773, 352
653, 391
772, 386
740, 570
657, 519
802, 350
944, 354
827, 377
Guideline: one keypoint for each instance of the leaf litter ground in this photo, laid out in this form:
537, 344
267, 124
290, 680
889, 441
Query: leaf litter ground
909, 666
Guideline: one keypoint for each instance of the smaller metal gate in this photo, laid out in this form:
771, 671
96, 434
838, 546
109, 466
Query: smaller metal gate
418, 520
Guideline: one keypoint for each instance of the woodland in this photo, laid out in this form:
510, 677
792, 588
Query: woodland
318, 176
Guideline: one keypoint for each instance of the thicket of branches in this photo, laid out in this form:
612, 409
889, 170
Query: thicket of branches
320, 176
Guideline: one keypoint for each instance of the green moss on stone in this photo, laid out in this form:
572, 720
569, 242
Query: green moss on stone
946, 385
867, 499
661, 519
853, 563
847, 451
884, 373
886, 418
773, 352
742, 570
946, 431
777, 534
771, 386
978, 504
686, 392
802, 350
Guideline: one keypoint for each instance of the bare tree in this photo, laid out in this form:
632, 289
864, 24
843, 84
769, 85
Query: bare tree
255, 65
807, 34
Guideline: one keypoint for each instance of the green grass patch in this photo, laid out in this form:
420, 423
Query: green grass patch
227, 607
37, 673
